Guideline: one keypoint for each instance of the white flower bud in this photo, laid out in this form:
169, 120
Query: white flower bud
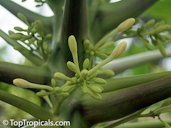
119, 49
125, 25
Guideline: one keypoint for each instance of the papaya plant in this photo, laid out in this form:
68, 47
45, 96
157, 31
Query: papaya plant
78, 55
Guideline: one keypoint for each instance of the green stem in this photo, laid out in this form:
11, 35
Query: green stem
25, 105
56, 6
106, 38
94, 69
125, 82
124, 119
162, 110
125, 101
74, 23
11, 71
119, 65
15, 8
144, 124
55, 61
24, 51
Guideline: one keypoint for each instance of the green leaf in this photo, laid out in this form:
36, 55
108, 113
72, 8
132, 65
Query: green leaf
25, 105
161, 10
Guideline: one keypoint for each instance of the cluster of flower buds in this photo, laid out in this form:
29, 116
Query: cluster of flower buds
105, 45
154, 33
33, 37
88, 79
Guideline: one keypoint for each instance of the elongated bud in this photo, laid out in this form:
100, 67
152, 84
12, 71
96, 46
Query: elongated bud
163, 28
161, 48
15, 36
149, 23
72, 44
19, 28
99, 80
42, 93
73, 48
116, 52
91, 91
61, 76
21, 83
23, 18
106, 72
67, 88
88, 45
146, 43
125, 25
86, 64
119, 49
166, 37
96, 88
25, 84
53, 82
72, 66
84, 73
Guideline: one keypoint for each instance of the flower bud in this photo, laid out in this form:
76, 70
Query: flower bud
119, 49
21, 83
91, 91
25, 84
23, 18
73, 48
61, 76
42, 93
19, 28
88, 45
149, 23
96, 88
163, 28
106, 72
146, 43
72, 66
125, 25
161, 48
86, 64
72, 44
67, 88
32, 40
99, 80
84, 73
48, 36
53, 82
